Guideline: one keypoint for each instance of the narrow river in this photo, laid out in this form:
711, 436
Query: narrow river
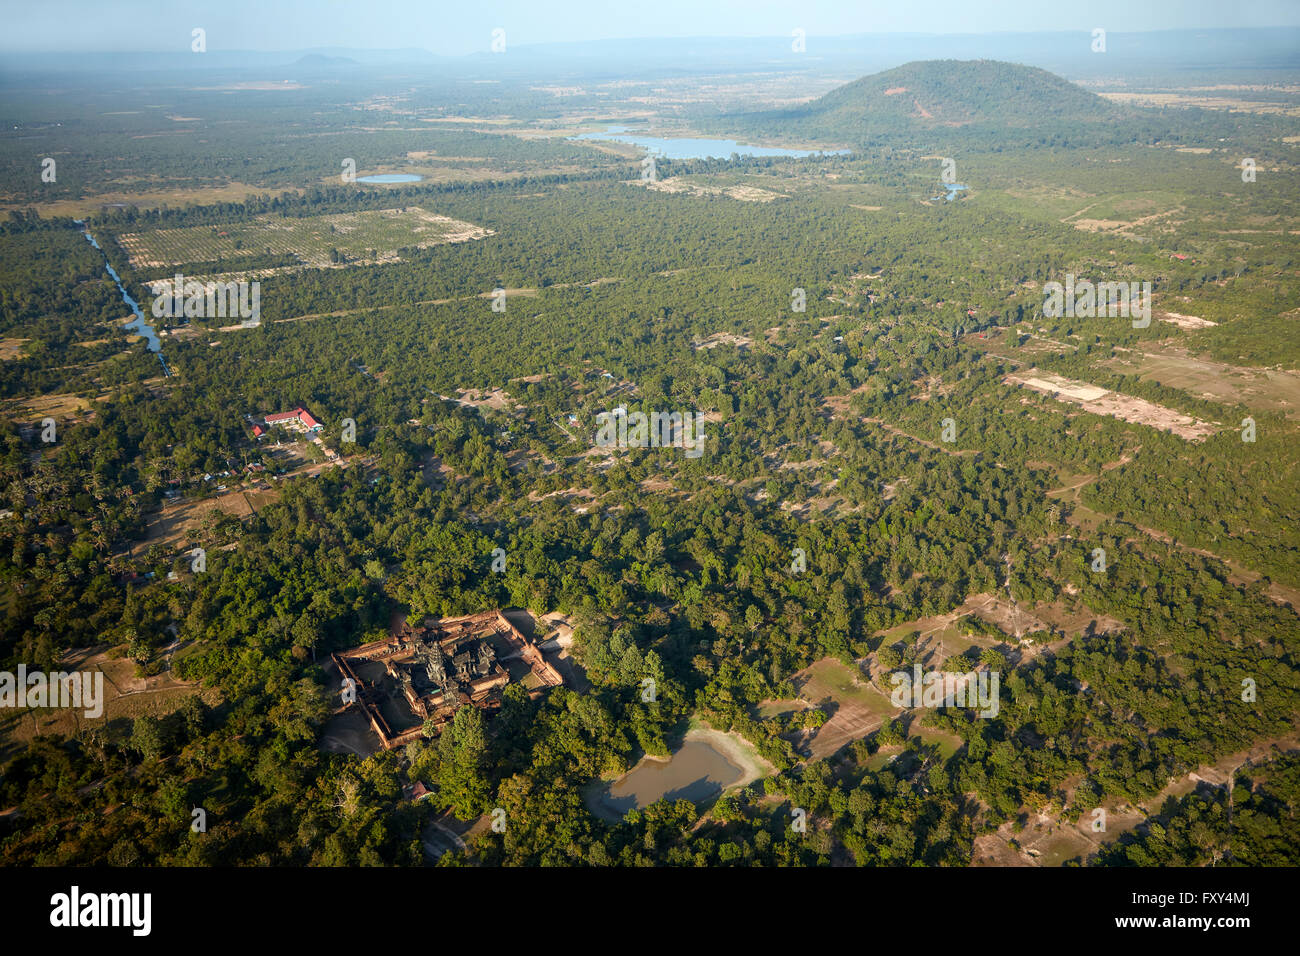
139, 323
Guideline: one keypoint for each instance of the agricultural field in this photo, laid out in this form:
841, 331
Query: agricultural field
1274, 389
856, 707
316, 241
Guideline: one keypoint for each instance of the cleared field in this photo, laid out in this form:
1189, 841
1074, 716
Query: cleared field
1048, 840
148, 199
1272, 389
856, 707
743, 192
170, 529
1187, 322
61, 407
1204, 100
1101, 401
125, 696
371, 236
944, 634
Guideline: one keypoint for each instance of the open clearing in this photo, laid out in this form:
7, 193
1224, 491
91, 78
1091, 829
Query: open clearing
148, 199
1272, 389
1047, 839
171, 528
722, 338
1102, 401
125, 696
675, 184
1187, 322
61, 407
856, 708
1233, 104
373, 236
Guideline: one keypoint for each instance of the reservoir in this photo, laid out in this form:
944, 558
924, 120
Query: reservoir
138, 324
689, 148
698, 771
390, 178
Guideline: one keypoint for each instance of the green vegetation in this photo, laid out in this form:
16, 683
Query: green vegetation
824, 437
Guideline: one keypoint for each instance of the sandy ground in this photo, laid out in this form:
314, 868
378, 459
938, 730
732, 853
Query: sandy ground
1101, 401
736, 749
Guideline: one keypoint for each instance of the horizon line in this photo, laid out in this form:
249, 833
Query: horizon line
647, 39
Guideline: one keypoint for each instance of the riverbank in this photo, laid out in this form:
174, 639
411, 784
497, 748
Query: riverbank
139, 325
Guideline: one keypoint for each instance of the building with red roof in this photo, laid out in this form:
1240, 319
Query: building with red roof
299, 419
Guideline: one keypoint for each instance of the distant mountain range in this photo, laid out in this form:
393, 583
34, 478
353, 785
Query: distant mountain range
1064, 52
320, 60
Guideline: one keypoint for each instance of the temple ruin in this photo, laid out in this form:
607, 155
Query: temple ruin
439, 667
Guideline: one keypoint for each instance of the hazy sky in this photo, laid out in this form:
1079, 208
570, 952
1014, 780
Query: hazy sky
466, 27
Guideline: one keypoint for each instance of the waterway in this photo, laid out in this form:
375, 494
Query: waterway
950, 192
139, 324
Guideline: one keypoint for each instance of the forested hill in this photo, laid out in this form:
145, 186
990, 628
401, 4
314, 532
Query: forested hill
928, 97
946, 92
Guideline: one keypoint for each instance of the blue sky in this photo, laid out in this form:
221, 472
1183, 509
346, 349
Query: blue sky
455, 28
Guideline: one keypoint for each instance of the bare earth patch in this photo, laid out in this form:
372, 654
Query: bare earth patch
1185, 321
171, 528
1101, 401
856, 707
723, 338
371, 236
1274, 389
675, 184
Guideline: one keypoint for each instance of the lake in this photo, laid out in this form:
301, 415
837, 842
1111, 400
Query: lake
390, 178
690, 148
697, 771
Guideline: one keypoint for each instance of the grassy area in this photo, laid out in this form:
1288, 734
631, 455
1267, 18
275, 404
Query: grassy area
373, 235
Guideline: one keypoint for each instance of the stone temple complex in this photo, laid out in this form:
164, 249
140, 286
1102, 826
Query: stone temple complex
425, 673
